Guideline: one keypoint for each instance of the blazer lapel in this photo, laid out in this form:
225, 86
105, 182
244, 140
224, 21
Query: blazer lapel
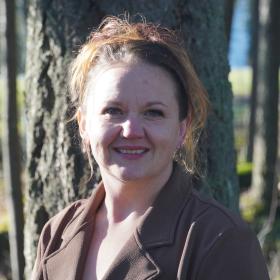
156, 231
133, 262
159, 226
137, 259
67, 263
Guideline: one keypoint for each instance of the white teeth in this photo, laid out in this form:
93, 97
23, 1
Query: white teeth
133, 152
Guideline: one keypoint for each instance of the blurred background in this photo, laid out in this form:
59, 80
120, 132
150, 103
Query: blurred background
253, 55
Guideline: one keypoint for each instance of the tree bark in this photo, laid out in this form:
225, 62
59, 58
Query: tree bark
254, 86
266, 145
202, 23
55, 164
11, 149
229, 9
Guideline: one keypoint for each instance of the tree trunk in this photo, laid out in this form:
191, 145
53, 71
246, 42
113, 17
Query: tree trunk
10, 141
254, 87
265, 150
229, 8
55, 165
202, 23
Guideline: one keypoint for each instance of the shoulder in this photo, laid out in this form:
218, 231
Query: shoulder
214, 223
201, 209
67, 221
209, 224
56, 225
209, 212
205, 215
225, 246
66, 215
51, 235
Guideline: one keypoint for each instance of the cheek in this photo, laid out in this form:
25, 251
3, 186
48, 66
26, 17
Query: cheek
101, 136
165, 136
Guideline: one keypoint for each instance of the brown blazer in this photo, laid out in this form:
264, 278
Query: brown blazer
182, 236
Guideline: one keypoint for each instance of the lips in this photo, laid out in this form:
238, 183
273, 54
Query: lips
131, 150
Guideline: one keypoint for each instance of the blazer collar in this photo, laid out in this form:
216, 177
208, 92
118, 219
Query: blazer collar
68, 261
159, 223
85, 217
157, 228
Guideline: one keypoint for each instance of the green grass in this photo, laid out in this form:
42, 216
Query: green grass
244, 168
4, 223
241, 81
20, 91
3, 211
20, 103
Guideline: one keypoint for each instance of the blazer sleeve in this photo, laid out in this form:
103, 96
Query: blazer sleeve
37, 268
235, 254
51, 232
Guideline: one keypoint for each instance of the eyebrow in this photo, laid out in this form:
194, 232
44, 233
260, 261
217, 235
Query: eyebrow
114, 103
151, 103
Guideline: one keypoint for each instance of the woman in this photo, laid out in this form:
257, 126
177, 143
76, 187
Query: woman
138, 102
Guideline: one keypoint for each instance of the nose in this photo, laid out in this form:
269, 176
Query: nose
132, 128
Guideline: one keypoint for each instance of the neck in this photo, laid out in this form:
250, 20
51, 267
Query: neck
130, 199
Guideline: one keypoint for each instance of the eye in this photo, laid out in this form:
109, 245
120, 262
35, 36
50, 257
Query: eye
112, 111
154, 113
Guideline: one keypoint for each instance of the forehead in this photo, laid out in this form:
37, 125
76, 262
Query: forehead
137, 79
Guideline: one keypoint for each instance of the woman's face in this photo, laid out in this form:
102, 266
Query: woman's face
131, 121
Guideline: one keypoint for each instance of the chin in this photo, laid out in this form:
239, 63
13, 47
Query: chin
129, 174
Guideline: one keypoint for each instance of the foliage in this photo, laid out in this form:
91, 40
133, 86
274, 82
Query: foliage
250, 208
3, 212
20, 102
244, 168
4, 223
244, 171
240, 79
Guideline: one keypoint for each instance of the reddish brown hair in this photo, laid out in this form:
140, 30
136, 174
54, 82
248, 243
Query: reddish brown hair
117, 40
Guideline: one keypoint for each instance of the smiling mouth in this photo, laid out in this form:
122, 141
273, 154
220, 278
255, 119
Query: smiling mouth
131, 151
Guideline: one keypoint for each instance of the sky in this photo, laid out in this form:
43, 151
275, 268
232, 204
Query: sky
239, 43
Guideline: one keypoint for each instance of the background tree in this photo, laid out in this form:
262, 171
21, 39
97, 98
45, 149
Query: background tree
56, 168
266, 144
229, 8
10, 148
254, 6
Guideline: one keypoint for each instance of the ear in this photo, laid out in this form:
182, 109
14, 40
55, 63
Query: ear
81, 118
182, 132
